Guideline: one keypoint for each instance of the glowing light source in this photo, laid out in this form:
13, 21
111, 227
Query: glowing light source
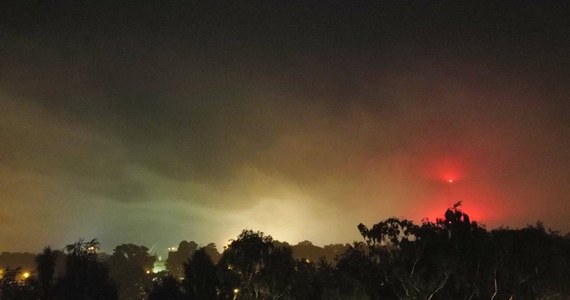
25, 275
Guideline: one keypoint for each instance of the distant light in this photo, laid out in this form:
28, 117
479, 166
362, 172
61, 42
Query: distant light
450, 180
148, 271
307, 261
26, 275
236, 291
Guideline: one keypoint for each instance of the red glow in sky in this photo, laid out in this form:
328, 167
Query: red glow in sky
480, 201
450, 173
448, 169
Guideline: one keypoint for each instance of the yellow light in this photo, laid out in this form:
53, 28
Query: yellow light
25, 275
148, 271
236, 291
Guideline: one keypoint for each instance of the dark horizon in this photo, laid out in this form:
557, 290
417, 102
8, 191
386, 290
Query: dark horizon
164, 252
450, 258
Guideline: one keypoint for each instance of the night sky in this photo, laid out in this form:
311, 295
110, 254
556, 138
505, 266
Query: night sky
192, 120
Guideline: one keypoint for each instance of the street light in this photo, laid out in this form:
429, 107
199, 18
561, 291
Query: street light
25, 275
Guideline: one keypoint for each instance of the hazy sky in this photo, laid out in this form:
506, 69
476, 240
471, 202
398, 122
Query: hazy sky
151, 124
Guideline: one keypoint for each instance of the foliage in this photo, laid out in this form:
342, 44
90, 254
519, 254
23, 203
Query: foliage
45, 263
176, 259
455, 258
166, 288
14, 286
200, 276
130, 267
450, 258
261, 269
307, 281
85, 276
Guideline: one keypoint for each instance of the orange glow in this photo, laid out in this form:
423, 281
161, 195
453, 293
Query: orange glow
25, 275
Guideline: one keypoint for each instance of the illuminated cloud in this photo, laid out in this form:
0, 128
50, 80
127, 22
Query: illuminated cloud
179, 131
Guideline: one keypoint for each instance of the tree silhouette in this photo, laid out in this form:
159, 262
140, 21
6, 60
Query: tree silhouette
306, 282
212, 252
530, 263
456, 258
450, 258
246, 257
176, 259
130, 266
85, 276
278, 271
166, 288
441, 258
200, 276
357, 275
45, 265
14, 286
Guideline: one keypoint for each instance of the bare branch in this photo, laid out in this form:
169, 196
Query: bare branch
495, 281
440, 286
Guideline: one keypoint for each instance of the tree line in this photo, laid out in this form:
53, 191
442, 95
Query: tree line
449, 258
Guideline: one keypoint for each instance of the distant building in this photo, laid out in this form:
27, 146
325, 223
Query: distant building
159, 265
